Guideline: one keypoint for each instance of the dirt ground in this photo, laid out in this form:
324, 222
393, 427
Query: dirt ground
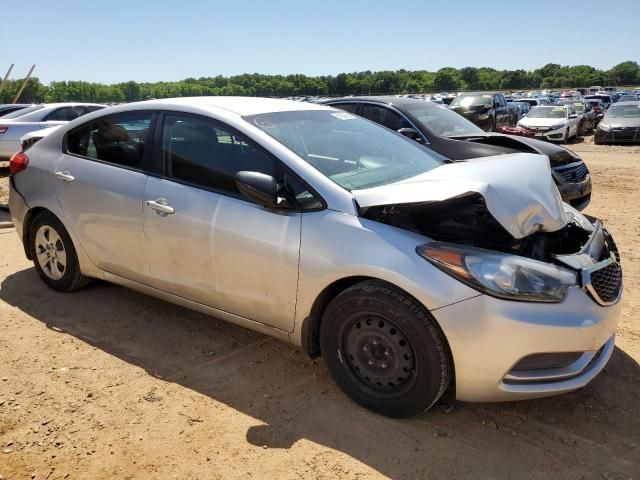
108, 383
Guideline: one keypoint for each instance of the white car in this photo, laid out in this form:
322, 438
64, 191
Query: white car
37, 117
555, 123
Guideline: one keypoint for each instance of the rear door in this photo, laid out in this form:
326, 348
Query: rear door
100, 179
206, 242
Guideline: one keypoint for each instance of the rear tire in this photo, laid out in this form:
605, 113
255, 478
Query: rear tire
54, 255
385, 350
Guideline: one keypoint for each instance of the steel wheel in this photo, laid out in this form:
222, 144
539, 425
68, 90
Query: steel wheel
379, 354
50, 252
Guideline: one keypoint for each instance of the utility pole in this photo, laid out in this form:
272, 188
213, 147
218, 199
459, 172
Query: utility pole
6, 77
24, 84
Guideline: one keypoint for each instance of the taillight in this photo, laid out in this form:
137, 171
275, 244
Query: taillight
18, 162
3, 129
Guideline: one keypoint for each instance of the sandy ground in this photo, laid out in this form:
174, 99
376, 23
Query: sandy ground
108, 383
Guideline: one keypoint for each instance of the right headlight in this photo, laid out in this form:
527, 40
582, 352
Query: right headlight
499, 274
603, 127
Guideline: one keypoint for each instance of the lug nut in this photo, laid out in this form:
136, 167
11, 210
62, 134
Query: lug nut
365, 348
384, 364
386, 353
370, 362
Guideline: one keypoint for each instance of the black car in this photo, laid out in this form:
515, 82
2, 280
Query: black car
8, 108
621, 124
489, 111
454, 137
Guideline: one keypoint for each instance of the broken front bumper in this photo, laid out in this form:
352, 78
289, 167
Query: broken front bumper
490, 337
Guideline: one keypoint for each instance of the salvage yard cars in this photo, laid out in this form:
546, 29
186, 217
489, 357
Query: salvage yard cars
407, 273
37, 117
621, 124
559, 123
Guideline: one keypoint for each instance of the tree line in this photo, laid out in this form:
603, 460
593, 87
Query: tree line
383, 82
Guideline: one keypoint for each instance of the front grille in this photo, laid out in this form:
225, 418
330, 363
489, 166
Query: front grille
606, 282
625, 133
574, 173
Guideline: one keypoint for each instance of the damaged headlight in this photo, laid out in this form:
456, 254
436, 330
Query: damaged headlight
500, 274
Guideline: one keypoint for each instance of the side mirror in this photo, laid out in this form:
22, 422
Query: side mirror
259, 188
410, 133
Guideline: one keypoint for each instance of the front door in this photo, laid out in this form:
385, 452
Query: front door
207, 243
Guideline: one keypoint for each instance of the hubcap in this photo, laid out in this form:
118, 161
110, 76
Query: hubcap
379, 354
50, 252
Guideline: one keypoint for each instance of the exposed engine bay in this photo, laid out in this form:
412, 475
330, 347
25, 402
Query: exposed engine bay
466, 220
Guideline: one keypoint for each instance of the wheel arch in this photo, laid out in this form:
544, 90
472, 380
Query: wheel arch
31, 214
310, 328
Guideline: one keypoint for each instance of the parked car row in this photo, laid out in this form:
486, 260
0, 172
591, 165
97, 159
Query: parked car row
454, 137
30, 118
409, 265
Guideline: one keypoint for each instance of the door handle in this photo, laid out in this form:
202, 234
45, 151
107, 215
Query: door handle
161, 206
65, 176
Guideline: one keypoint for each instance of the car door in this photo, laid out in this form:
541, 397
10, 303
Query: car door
100, 179
204, 240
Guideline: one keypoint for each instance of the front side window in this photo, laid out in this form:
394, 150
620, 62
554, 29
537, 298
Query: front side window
119, 139
441, 120
204, 153
347, 107
349, 150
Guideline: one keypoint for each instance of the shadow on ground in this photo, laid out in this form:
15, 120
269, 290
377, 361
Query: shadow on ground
585, 434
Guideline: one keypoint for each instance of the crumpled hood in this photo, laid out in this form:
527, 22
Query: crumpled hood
518, 190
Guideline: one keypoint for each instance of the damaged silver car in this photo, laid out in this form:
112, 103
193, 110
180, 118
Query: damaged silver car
408, 274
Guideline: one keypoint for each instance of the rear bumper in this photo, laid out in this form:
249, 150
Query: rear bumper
489, 336
18, 208
8, 148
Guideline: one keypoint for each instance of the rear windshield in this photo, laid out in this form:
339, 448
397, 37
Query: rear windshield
22, 112
627, 110
547, 112
472, 100
353, 152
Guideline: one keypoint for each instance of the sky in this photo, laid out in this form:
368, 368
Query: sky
160, 40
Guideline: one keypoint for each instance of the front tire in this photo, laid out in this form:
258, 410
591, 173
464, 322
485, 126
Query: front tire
54, 255
385, 350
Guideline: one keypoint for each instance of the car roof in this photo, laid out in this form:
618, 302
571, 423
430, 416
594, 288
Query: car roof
239, 105
385, 99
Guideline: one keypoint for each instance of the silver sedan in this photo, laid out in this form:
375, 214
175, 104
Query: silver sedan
36, 117
407, 273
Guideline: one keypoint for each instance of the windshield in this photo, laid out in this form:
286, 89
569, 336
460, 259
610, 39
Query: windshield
22, 112
440, 120
353, 152
472, 100
547, 112
624, 111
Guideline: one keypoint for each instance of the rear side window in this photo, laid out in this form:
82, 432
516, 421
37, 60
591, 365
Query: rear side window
65, 114
205, 153
384, 116
348, 107
119, 139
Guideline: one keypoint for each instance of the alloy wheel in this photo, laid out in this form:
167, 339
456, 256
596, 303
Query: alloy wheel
50, 252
